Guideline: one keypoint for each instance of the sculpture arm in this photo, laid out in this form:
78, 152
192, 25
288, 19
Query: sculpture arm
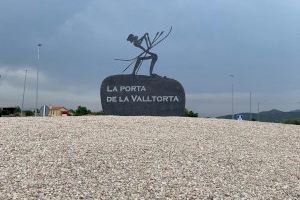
148, 41
146, 38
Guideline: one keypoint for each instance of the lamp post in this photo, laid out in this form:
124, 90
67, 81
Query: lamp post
22, 107
250, 114
37, 79
258, 104
232, 96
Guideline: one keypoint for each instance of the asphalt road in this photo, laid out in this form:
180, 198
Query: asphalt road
105, 157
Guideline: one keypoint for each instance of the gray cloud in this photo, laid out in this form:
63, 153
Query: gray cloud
258, 41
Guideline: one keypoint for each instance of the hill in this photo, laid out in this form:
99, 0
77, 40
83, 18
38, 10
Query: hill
107, 157
274, 115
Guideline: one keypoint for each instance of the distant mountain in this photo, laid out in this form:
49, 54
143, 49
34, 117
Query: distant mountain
269, 116
296, 110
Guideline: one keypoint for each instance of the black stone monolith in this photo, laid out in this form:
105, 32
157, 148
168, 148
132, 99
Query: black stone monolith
131, 95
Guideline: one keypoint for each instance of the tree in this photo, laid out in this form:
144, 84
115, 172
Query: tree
189, 113
292, 121
18, 109
28, 113
81, 110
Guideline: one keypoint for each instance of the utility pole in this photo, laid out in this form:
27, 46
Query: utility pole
22, 107
37, 79
232, 96
258, 104
250, 114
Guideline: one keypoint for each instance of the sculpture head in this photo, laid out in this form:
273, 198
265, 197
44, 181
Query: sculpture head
131, 38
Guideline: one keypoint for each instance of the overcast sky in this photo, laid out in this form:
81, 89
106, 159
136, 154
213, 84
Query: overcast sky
258, 41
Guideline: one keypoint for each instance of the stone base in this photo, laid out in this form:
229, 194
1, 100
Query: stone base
131, 95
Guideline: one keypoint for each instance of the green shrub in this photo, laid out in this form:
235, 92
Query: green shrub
81, 110
28, 113
189, 113
292, 121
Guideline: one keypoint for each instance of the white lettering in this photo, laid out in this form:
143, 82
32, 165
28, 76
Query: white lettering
114, 89
132, 88
125, 99
107, 89
153, 98
147, 99
111, 99
176, 99
139, 99
159, 99
133, 98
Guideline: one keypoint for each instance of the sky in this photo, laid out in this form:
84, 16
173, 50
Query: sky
258, 41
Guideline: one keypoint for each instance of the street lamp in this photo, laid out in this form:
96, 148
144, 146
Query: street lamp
37, 79
22, 107
258, 105
232, 96
250, 107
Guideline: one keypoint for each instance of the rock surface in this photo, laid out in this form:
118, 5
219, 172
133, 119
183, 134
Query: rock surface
110, 157
130, 95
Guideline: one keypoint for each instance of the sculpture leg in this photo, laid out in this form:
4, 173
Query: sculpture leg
153, 61
153, 58
137, 64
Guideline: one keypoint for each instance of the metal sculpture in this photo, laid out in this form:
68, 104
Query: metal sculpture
146, 54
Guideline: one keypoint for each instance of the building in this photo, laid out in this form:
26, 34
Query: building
55, 111
44, 111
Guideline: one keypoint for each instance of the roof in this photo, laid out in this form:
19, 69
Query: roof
54, 107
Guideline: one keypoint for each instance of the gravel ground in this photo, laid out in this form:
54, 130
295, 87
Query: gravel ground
106, 157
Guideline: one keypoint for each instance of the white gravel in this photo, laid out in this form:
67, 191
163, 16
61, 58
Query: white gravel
106, 157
